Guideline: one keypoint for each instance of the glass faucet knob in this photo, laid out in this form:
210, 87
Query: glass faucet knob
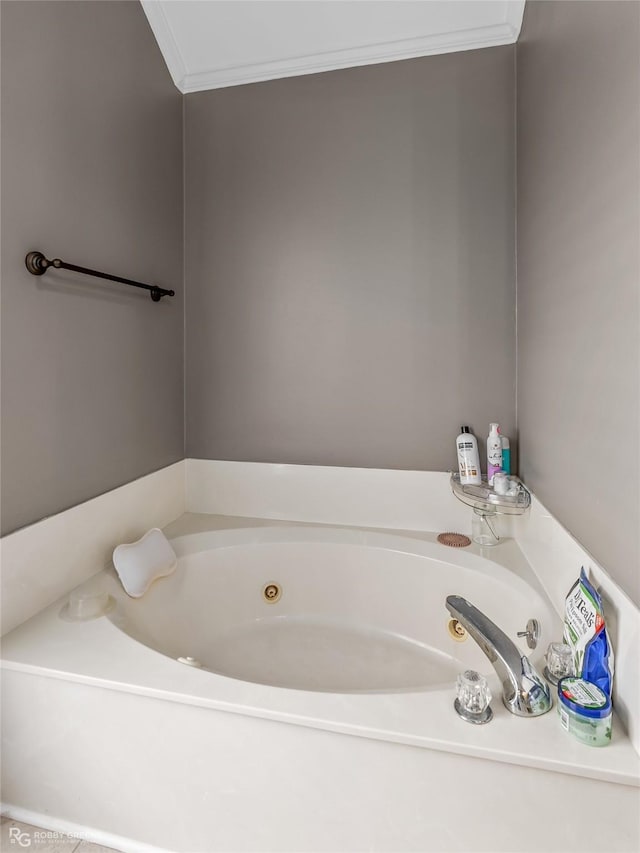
473, 697
559, 659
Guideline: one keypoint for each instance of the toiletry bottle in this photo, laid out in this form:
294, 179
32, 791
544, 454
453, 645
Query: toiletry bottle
494, 452
468, 457
506, 454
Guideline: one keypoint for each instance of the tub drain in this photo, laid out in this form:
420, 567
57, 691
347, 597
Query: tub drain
271, 593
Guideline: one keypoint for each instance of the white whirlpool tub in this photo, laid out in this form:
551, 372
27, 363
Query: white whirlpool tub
320, 609
322, 720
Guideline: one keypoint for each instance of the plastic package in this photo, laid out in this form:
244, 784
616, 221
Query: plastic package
585, 632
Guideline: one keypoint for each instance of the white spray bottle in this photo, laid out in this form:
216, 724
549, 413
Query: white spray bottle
494, 452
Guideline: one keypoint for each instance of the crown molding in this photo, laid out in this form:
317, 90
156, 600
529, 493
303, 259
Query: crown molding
514, 15
166, 41
352, 57
372, 54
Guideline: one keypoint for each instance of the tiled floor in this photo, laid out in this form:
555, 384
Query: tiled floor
22, 836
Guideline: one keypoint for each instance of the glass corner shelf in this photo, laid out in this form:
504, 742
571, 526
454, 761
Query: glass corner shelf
483, 498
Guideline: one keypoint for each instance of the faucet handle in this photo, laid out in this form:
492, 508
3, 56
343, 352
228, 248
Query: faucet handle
532, 633
473, 697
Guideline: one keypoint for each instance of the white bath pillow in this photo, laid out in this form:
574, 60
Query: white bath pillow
141, 562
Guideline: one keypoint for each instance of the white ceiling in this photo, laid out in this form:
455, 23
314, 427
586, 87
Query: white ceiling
208, 44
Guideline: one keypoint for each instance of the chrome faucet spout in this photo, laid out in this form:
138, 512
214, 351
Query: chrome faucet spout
524, 692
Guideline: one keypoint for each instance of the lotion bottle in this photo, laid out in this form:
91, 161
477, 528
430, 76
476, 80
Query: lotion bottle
506, 454
494, 452
468, 458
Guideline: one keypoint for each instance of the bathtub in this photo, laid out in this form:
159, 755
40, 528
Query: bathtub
331, 610
290, 687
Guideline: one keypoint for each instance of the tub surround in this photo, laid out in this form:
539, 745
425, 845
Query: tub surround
410, 501
430, 756
99, 653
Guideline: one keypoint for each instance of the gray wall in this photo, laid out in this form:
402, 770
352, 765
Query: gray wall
350, 263
579, 272
92, 392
